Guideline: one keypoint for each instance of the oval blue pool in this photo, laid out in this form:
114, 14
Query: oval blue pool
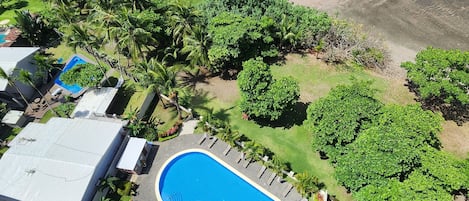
196, 176
75, 60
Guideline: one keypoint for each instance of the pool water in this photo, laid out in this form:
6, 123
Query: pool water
196, 176
72, 63
2, 38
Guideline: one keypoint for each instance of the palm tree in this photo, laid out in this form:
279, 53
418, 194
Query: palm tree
306, 184
45, 64
253, 150
109, 182
80, 38
160, 79
286, 33
11, 82
182, 18
278, 166
196, 46
25, 77
129, 36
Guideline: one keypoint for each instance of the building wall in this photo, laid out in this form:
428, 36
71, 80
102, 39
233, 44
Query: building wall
27, 64
102, 167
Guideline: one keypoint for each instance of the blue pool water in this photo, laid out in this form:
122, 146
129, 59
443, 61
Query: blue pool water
196, 176
73, 62
2, 38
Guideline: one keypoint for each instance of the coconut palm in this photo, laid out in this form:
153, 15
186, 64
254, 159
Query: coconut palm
45, 64
306, 184
160, 79
26, 77
253, 150
196, 46
278, 166
109, 182
11, 82
181, 20
80, 38
129, 35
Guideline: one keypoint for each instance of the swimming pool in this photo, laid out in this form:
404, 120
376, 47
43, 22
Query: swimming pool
198, 175
72, 62
2, 38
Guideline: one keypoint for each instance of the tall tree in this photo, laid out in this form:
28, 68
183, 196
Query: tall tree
337, 119
79, 37
34, 29
263, 97
11, 82
196, 46
182, 18
27, 78
440, 79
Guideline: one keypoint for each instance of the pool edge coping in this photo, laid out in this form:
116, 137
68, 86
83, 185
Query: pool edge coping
216, 158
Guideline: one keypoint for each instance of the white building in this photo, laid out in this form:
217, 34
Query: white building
61, 160
11, 60
134, 158
94, 103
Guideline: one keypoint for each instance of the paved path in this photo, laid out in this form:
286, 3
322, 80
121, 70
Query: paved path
163, 150
188, 127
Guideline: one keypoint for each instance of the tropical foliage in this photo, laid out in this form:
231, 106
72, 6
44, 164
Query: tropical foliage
384, 152
337, 119
262, 96
440, 78
84, 75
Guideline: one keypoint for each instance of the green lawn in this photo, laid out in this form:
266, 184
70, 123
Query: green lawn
33, 6
7, 134
294, 142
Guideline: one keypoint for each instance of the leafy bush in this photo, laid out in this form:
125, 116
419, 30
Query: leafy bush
263, 97
440, 78
65, 110
348, 42
85, 75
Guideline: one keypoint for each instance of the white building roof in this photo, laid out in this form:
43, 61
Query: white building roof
9, 57
12, 117
95, 101
131, 153
55, 161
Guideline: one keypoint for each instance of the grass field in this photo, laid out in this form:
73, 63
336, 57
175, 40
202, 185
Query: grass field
33, 6
290, 139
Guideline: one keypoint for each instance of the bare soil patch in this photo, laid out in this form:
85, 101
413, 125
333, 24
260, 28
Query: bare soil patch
455, 139
223, 90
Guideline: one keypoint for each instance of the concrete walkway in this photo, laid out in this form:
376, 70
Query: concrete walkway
188, 127
164, 150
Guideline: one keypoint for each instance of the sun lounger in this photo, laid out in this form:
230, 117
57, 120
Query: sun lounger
261, 171
241, 157
246, 163
287, 189
228, 148
202, 139
271, 179
212, 142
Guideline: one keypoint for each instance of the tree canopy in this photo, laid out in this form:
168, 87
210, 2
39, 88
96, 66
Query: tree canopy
261, 95
84, 75
337, 119
441, 80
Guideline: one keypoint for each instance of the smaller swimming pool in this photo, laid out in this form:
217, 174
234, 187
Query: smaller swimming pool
72, 63
2, 38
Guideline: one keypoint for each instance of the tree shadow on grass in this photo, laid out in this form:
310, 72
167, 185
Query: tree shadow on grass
200, 100
295, 117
